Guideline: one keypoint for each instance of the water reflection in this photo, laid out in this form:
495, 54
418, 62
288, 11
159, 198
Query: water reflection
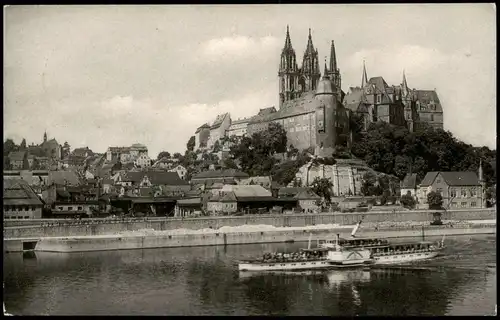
205, 281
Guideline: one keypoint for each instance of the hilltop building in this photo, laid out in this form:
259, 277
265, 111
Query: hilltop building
310, 108
316, 113
127, 154
376, 101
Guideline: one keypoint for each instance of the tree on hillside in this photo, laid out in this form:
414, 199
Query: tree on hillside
323, 188
435, 200
191, 143
9, 146
177, 155
164, 154
255, 153
396, 151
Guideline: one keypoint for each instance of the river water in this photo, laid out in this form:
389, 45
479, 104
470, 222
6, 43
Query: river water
205, 281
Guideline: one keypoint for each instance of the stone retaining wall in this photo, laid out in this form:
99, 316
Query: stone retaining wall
107, 227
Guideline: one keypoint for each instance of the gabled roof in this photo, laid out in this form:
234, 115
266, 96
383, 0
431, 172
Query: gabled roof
452, 178
81, 152
18, 192
290, 191
17, 155
227, 196
155, 177
409, 181
242, 191
307, 195
260, 180
381, 88
228, 173
63, 177
218, 121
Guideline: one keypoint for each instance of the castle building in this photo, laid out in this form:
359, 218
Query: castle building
315, 112
310, 106
126, 154
376, 101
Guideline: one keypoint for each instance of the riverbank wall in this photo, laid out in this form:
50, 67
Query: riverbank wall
96, 227
124, 242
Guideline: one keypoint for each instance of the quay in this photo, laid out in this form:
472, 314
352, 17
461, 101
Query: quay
216, 238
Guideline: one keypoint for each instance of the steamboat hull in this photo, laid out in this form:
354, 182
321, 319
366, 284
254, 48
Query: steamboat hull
403, 257
308, 265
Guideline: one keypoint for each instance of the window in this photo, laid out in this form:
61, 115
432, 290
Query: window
80, 208
473, 204
60, 208
438, 180
463, 204
26, 217
379, 98
440, 191
463, 193
291, 119
432, 117
70, 208
453, 193
473, 192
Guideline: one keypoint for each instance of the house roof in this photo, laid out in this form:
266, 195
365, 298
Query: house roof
61, 177
240, 121
189, 202
227, 196
156, 177
409, 181
81, 152
307, 195
452, 178
17, 155
18, 192
242, 191
228, 173
264, 180
290, 191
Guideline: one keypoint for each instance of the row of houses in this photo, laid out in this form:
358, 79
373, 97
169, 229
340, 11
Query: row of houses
458, 189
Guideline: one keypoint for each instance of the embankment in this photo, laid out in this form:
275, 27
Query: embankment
108, 227
123, 242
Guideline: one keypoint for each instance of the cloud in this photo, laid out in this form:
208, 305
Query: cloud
238, 47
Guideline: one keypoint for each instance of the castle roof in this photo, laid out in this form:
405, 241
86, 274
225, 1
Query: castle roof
218, 121
241, 121
267, 111
204, 126
303, 105
381, 87
426, 97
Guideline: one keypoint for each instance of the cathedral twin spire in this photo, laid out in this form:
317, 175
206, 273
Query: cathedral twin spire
293, 80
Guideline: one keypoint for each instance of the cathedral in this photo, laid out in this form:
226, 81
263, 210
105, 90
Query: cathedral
315, 112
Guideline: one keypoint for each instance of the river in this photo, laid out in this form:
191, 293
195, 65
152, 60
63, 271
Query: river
205, 281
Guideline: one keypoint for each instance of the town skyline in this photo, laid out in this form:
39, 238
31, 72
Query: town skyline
101, 76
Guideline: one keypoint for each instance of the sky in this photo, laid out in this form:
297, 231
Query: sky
101, 76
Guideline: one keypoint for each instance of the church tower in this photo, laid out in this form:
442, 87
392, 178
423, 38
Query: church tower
288, 72
45, 136
310, 73
333, 72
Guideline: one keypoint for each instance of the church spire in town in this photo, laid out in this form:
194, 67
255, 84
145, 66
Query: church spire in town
364, 79
288, 42
45, 136
405, 84
333, 58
